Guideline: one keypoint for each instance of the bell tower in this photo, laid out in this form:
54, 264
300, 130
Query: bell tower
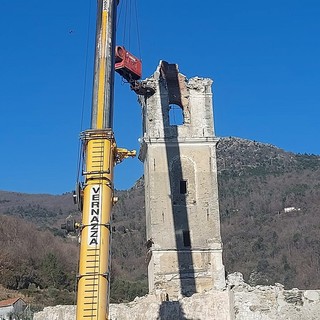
178, 149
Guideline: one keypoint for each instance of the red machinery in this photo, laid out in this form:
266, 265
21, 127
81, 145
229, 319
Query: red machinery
127, 65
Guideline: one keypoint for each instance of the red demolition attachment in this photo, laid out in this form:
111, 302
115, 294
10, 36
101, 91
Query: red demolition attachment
127, 65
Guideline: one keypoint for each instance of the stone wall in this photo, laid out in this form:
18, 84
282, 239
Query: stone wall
210, 305
238, 302
272, 302
56, 313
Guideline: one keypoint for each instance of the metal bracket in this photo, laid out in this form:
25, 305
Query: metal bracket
122, 154
141, 88
105, 275
107, 225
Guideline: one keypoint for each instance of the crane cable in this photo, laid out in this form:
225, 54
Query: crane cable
130, 14
84, 90
127, 28
138, 29
130, 6
84, 95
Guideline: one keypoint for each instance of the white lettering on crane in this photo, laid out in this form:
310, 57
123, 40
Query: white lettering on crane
94, 216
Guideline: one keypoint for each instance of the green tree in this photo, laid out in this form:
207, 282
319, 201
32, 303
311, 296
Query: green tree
52, 273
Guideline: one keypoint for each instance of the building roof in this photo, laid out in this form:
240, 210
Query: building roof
9, 302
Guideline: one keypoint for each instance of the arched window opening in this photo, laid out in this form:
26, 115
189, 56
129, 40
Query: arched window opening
176, 117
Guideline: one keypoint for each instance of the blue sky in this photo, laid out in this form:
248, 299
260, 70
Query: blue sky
262, 55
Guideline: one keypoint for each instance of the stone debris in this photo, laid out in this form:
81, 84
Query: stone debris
210, 305
239, 301
56, 313
272, 302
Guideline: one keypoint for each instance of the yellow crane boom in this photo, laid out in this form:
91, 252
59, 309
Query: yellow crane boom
100, 156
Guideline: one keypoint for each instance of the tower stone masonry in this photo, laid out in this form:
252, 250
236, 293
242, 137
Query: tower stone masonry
178, 149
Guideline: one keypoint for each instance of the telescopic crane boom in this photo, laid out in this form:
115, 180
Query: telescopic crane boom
96, 196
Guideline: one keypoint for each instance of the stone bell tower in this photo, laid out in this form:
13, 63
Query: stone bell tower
178, 149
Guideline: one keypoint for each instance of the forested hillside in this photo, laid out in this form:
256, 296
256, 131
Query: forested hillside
270, 221
270, 213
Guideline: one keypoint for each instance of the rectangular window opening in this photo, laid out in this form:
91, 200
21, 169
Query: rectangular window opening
186, 239
183, 186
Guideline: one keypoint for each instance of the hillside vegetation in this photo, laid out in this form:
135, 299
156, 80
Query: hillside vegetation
269, 206
256, 183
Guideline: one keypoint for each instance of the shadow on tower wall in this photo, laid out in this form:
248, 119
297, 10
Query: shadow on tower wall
171, 310
178, 183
